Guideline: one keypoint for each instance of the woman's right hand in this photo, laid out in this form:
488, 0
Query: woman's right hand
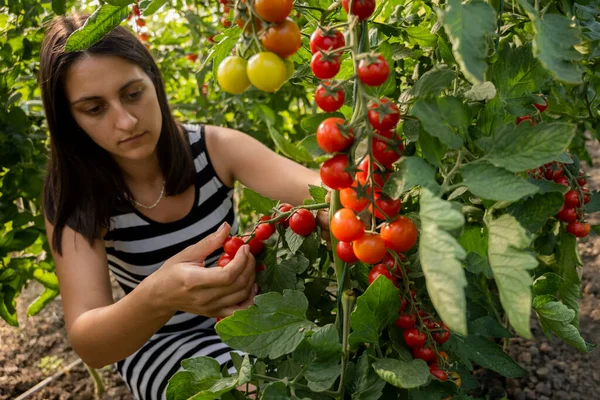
183, 283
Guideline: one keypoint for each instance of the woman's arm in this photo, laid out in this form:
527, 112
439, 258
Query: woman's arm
103, 332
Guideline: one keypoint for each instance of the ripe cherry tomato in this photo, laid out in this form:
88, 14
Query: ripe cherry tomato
373, 72
406, 321
225, 22
232, 76
224, 260
326, 40
581, 181
345, 252
579, 229
424, 353
380, 270
386, 153
572, 199
567, 214
266, 71
443, 336
329, 100
346, 226
263, 231
136, 10
256, 246
363, 173
370, 248
191, 57
389, 206
525, 118
232, 245
438, 373
144, 36
542, 107
283, 39
363, 9
334, 136
400, 234
303, 222
586, 195
243, 23
285, 207
333, 172
274, 10
414, 339
259, 267
562, 180
349, 199
384, 117
324, 67
140, 22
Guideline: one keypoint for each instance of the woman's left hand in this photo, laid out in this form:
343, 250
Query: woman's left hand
323, 222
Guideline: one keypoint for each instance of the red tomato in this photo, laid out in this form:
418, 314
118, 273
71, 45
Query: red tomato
232, 245
334, 136
349, 199
140, 22
346, 226
567, 214
224, 260
579, 229
388, 206
400, 234
259, 267
329, 100
424, 353
443, 336
438, 373
256, 246
274, 11
581, 181
192, 57
363, 9
380, 270
225, 22
144, 36
363, 173
263, 231
370, 248
326, 40
586, 195
525, 118
542, 107
333, 172
283, 39
345, 252
136, 10
406, 321
562, 180
373, 72
572, 199
386, 153
303, 222
413, 338
324, 67
384, 117
285, 207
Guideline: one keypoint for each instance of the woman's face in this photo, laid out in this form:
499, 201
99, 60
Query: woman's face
115, 103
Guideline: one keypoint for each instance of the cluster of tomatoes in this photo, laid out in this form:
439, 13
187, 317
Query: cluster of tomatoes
136, 15
572, 211
280, 37
540, 107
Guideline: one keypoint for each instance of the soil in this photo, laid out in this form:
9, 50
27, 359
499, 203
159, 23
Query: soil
39, 348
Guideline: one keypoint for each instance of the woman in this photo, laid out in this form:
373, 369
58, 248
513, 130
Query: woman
132, 191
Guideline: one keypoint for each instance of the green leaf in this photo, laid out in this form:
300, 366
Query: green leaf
421, 36
279, 277
375, 308
518, 148
468, 27
43, 299
221, 50
549, 186
293, 240
367, 385
488, 182
102, 21
532, 213
556, 37
271, 328
325, 342
59, 7
489, 327
198, 374
441, 257
555, 316
322, 373
311, 124
119, 3
433, 82
445, 51
245, 371
260, 203
411, 128
152, 6
594, 204
8, 310
297, 153
445, 118
486, 354
275, 391
402, 374
48, 279
517, 72
508, 242
549, 283
183, 385
481, 91
433, 149
318, 193
411, 171
567, 261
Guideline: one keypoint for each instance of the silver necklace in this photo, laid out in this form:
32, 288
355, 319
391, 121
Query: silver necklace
162, 191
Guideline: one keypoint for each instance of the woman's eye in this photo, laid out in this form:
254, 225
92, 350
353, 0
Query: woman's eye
135, 95
94, 110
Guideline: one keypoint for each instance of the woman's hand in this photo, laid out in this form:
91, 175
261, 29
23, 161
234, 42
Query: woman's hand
184, 284
323, 222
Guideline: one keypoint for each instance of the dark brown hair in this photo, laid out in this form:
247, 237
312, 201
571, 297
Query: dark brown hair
84, 185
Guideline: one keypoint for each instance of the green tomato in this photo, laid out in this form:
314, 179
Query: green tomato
266, 71
232, 76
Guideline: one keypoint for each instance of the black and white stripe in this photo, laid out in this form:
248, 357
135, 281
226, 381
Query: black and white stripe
136, 247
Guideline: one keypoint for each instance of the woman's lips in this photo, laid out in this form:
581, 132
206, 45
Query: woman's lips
131, 139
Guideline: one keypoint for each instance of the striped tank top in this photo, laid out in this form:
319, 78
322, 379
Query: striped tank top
137, 246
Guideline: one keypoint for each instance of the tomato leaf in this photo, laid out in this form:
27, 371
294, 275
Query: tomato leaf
594, 204
322, 373
489, 327
402, 374
433, 149
532, 213
279, 277
433, 82
200, 379
421, 36
149, 7
441, 257
481, 91
275, 391
548, 186
366, 384
568, 260
469, 39
48, 279
102, 21
510, 260
260, 203
297, 153
411, 128
549, 283
518, 148
445, 118
271, 328
481, 351
293, 240
554, 44
318, 193
375, 308
556, 317
59, 7
8, 310
411, 172
489, 182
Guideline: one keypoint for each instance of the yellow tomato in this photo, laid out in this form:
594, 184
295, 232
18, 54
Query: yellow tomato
232, 75
266, 71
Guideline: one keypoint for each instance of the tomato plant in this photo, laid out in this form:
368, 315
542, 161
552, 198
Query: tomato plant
334, 136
